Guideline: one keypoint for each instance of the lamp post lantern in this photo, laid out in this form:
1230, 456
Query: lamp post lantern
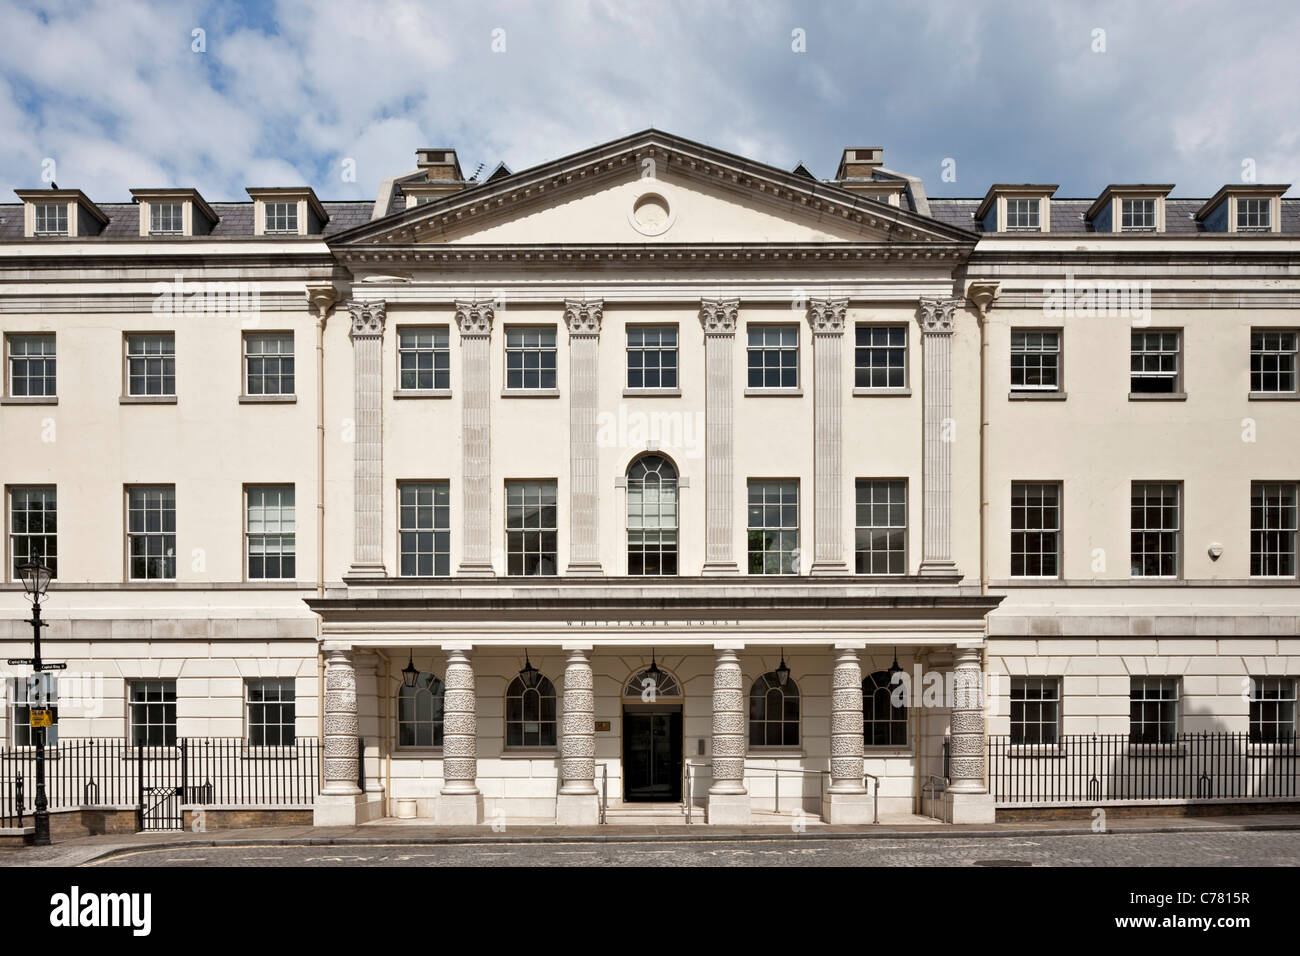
36, 578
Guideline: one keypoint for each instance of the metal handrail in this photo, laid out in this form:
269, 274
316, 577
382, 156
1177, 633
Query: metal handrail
875, 793
688, 786
929, 786
604, 794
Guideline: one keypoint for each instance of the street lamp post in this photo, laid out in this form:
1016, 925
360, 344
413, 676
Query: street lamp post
36, 578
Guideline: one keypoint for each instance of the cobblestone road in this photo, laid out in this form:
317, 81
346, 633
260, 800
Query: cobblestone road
1114, 849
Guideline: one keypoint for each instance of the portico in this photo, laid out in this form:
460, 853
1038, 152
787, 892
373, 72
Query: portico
545, 700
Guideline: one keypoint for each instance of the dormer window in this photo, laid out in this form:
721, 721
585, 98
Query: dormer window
282, 217
166, 219
1138, 215
1022, 215
51, 218
1253, 215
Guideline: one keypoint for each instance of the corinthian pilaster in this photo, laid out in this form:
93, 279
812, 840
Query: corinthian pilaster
827, 319
577, 802
583, 319
474, 319
368, 447
460, 800
936, 318
719, 318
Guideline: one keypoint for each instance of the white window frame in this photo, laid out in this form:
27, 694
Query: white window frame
1273, 542
48, 362
280, 217
1049, 523
1024, 346
763, 348
1257, 213
1027, 214
438, 350
41, 214
1150, 690
163, 534
1284, 697
659, 350
166, 218
438, 526
280, 703
49, 554
545, 561
132, 724
1141, 344
891, 528
1281, 345
143, 359
268, 358
872, 350
653, 525
788, 559
1158, 529
1043, 686
1137, 215
284, 539
544, 347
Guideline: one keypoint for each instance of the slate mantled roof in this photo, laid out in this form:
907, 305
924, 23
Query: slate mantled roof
235, 221
1067, 216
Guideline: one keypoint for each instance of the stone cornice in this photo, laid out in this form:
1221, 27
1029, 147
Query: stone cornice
475, 317
827, 316
719, 316
936, 315
583, 316
367, 319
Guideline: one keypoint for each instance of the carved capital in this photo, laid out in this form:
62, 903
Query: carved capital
936, 315
826, 316
475, 318
367, 319
583, 316
719, 316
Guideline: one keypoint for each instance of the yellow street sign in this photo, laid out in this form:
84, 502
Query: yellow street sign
42, 718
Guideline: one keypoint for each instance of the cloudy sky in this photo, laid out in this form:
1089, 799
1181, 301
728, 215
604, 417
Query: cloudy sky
126, 93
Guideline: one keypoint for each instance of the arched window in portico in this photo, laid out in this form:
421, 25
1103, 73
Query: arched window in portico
530, 713
419, 713
884, 711
774, 711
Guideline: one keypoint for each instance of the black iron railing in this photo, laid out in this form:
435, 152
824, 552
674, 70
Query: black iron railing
207, 771
1093, 768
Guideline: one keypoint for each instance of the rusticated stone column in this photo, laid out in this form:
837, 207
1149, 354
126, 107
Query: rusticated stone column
967, 799
936, 319
577, 803
847, 800
368, 448
719, 318
475, 322
728, 799
340, 723
827, 318
460, 801
583, 319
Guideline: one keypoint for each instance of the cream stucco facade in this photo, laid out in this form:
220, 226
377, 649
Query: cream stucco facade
654, 232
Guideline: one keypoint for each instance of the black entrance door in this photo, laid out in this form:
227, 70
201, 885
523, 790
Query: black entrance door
652, 756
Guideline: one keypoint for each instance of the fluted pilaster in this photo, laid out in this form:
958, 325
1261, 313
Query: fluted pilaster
368, 448
827, 319
474, 319
936, 318
583, 319
719, 318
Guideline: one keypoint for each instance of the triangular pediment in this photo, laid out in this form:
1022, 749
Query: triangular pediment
650, 189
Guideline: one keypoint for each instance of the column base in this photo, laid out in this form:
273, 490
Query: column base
728, 808
577, 809
849, 808
822, 568
339, 810
585, 570
938, 569
459, 809
727, 567
959, 807
467, 570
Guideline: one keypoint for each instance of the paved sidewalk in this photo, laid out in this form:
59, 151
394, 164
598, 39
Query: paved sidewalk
82, 850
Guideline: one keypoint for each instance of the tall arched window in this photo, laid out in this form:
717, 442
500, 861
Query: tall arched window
774, 712
419, 713
652, 516
884, 711
530, 714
